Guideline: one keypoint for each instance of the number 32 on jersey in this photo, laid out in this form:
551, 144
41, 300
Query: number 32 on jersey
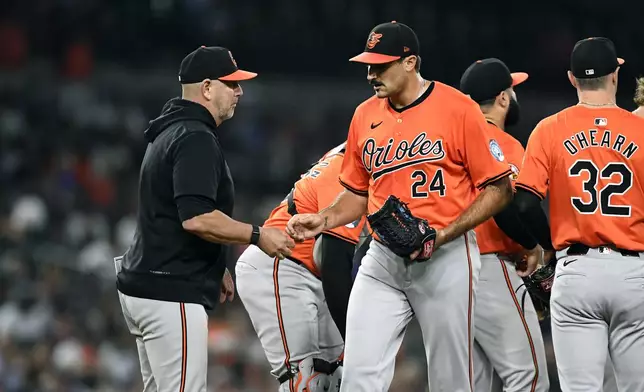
599, 198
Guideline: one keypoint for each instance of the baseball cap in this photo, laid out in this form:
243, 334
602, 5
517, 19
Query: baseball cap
485, 79
212, 62
593, 58
388, 42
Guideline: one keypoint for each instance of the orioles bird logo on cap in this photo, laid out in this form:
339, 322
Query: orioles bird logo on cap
231, 57
374, 38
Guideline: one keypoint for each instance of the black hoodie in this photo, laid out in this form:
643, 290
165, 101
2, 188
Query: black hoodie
183, 167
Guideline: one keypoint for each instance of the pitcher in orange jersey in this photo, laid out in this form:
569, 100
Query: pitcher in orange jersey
287, 299
588, 159
509, 345
427, 144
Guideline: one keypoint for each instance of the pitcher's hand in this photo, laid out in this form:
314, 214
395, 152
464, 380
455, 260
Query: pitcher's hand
304, 226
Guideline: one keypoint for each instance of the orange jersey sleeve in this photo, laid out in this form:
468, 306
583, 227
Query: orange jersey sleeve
353, 174
482, 154
315, 190
490, 237
536, 163
588, 161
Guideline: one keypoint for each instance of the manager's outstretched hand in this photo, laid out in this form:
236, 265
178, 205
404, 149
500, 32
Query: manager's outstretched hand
275, 243
304, 226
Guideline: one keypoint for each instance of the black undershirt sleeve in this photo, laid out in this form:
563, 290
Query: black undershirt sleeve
528, 206
337, 262
508, 221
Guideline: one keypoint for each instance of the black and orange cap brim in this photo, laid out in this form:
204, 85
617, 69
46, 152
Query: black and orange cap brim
373, 58
238, 76
518, 78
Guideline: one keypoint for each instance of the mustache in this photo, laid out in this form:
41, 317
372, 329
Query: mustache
375, 83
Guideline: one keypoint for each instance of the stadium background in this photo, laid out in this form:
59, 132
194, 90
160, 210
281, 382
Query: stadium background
79, 79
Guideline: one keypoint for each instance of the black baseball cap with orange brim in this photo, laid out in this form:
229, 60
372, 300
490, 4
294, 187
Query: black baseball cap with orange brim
212, 62
388, 42
487, 78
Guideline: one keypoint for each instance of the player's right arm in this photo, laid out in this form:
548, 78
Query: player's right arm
532, 187
197, 167
350, 204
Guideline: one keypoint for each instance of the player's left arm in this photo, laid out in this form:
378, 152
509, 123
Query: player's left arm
494, 197
484, 160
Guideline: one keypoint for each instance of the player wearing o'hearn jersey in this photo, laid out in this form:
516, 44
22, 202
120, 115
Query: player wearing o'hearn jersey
509, 351
427, 144
287, 299
588, 158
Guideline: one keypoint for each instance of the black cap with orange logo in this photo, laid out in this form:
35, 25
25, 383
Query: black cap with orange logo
485, 79
389, 42
213, 62
593, 58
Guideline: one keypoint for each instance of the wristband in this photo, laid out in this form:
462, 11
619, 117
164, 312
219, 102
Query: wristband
254, 235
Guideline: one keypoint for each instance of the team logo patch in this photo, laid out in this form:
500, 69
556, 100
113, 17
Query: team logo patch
496, 151
515, 172
421, 228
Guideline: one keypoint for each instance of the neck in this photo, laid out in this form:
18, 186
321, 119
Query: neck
495, 116
596, 98
411, 92
496, 122
203, 103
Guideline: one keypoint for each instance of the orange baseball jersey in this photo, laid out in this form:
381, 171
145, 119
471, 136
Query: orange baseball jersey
590, 162
488, 235
315, 190
432, 155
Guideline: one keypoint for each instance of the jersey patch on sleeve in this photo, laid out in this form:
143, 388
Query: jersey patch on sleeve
496, 151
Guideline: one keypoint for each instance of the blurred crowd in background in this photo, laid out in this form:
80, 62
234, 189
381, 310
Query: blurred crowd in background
79, 79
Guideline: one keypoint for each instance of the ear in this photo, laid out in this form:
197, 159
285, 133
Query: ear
616, 75
503, 99
572, 79
410, 63
206, 87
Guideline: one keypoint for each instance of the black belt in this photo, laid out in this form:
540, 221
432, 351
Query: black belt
581, 249
301, 264
296, 261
